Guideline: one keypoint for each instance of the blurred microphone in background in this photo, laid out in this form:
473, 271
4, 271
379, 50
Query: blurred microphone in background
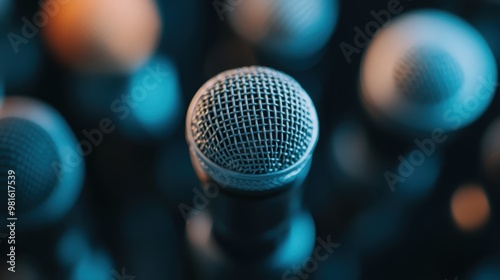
294, 32
251, 133
424, 76
102, 36
38, 148
428, 70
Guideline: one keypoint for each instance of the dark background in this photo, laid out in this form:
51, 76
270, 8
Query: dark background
134, 187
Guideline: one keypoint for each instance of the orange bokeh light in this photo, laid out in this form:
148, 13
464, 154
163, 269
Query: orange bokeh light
102, 36
470, 207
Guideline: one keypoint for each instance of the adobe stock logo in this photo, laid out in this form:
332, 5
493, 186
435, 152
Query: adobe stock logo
320, 254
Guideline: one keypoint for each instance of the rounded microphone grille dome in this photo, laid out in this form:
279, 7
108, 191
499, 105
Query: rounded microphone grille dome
252, 121
29, 151
288, 29
422, 65
428, 75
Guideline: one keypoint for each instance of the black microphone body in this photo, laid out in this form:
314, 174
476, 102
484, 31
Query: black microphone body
244, 237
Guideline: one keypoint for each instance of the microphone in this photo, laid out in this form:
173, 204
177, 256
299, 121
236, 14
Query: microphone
39, 159
295, 30
251, 133
37, 144
425, 75
428, 70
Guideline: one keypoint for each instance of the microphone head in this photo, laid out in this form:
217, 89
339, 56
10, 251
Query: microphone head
252, 129
428, 69
37, 144
428, 75
295, 29
29, 151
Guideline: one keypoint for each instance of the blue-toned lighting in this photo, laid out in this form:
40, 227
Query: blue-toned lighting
156, 103
161, 107
95, 266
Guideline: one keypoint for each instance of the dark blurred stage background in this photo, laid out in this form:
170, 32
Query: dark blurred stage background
128, 222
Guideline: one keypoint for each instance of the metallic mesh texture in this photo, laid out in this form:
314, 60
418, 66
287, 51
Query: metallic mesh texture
253, 120
29, 151
428, 75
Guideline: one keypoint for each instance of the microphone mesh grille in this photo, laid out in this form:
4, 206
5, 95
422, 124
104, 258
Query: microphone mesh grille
253, 120
428, 75
29, 151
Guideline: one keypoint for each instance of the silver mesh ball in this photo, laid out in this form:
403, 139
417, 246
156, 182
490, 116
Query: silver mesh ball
252, 128
428, 75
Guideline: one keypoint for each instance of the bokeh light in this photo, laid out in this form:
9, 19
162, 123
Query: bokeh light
102, 36
470, 207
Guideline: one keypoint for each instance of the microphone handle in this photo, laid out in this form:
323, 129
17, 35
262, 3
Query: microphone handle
242, 236
213, 260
